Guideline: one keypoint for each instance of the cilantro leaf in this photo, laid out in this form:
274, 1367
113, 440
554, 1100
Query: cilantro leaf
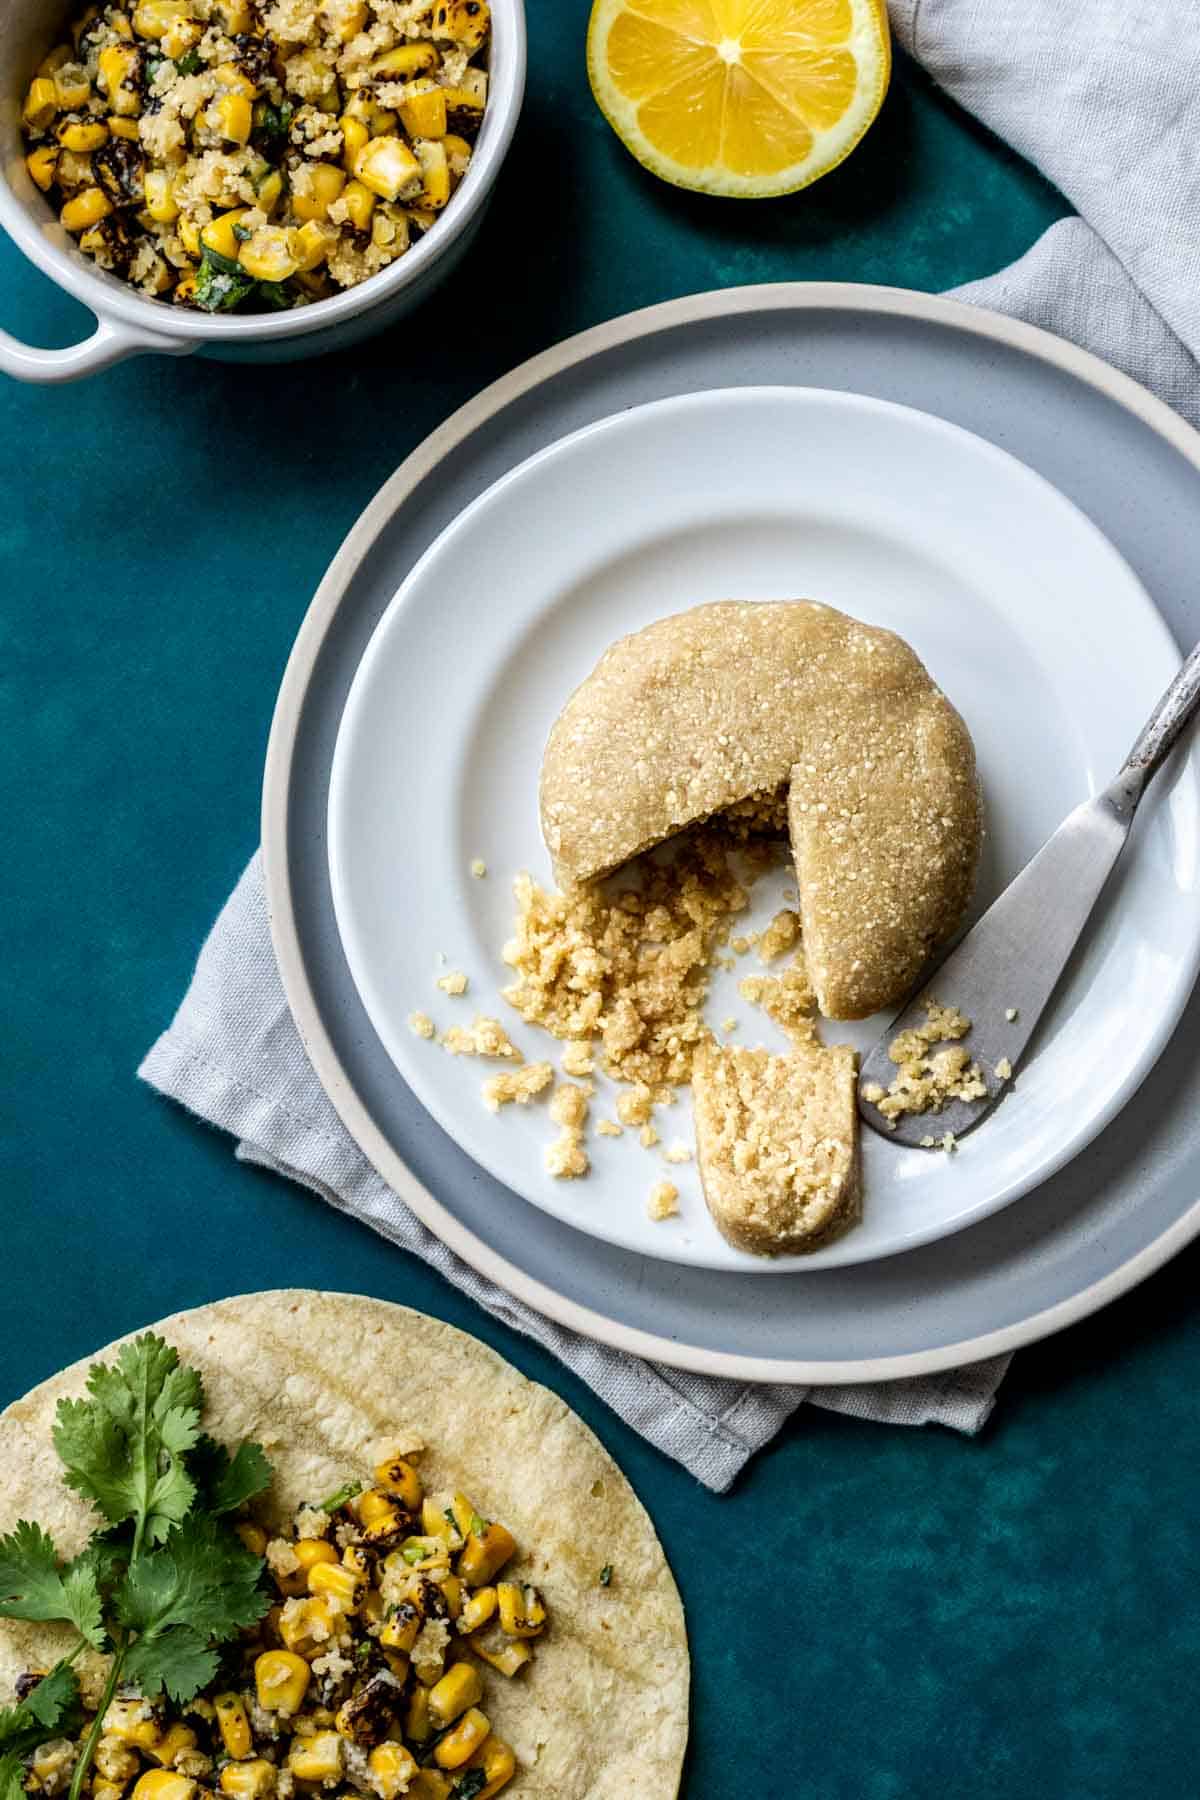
53, 1698
220, 286
124, 1447
200, 1585
224, 1482
52, 1703
32, 1585
11, 1774
189, 63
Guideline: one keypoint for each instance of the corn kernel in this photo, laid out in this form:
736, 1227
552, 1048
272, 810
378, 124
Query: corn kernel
314, 193
395, 1475
73, 88
43, 166
132, 1722
82, 136
354, 136
429, 1784
174, 1741
360, 204
41, 103
463, 1740
181, 36
485, 1554
154, 18
316, 1758
522, 1614
54, 60
252, 1780
506, 1658
464, 22
376, 118
185, 291
270, 191
387, 166
281, 1680
233, 1725
233, 16
189, 237
307, 1626
162, 1784
498, 1763
88, 208
404, 62
123, 128
478, 1609
118, 65
344, 19
391, 1770
435, 175
220, 236
424, 115
233, 116
341, 1584
458, 1688
106, 1790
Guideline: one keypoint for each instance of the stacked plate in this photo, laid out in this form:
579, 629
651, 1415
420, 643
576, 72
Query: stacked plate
937, 470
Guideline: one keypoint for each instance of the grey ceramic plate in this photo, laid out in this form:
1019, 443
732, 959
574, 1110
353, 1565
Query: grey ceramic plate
1099, 1226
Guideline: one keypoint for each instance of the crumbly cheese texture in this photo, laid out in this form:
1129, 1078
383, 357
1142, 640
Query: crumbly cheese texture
333, 131
663, 1201
517, 1087
483, 1037
777, 1144
629, 968
737, 702
926, 1077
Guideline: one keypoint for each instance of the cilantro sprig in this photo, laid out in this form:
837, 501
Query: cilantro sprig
165, 1581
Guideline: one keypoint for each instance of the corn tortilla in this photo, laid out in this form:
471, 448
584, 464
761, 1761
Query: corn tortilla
328, 1384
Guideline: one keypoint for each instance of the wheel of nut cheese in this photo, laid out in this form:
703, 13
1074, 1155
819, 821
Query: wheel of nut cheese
742, 700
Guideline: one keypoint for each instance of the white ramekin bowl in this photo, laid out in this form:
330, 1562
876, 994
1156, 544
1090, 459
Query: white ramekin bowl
128, 322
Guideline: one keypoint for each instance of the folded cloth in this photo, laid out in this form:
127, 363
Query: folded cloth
1097, 93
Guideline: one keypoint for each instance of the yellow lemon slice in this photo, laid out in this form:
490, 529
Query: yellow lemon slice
742, 97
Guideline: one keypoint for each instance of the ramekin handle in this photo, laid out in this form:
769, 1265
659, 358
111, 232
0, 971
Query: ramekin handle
108, 344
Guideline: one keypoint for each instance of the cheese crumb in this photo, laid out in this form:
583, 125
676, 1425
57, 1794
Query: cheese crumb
1003, 1069
485, 1037
1010, 1013
420, 1024
569, 1106
927, 1078
518, 1085
635, 1106
577, 1058
479, 868
664, 1200
608, 1128
453, 983
647, 1137
677, 1152
781, 934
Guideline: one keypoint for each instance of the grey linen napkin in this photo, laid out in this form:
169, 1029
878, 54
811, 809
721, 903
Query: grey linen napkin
1098, 93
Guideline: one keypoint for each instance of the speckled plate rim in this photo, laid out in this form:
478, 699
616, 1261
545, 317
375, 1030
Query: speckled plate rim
286, 724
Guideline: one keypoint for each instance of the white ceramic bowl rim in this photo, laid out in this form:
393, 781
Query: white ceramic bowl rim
152, 324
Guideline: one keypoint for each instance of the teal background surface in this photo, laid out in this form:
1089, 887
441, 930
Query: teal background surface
874, 1613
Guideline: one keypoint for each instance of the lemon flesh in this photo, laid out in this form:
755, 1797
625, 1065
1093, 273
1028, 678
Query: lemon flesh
740, 97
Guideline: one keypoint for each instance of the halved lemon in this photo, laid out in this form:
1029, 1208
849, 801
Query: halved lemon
742, 97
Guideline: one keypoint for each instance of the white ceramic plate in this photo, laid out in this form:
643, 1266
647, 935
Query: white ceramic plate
1034, 625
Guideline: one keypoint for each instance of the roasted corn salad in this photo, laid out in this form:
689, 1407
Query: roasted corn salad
367, 1676
244, 155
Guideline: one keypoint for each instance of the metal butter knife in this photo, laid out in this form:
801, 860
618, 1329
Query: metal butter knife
1002, 974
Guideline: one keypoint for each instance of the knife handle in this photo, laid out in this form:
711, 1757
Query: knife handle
1158, 737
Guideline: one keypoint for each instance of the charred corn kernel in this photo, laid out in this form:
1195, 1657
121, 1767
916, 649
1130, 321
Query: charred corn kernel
478, 1609
373, 1608
106, 1790
364, 106
498, 1763
270, 191
189, 236
86, 209
133, 1723
404, 62
506, 1658
220, 236
344, 19
341, 1584
355, 1558
401, 1627
435, 175
315, 192
425, 1552
463, 105
458, 1688
181, 36
377, 1509
360, 204
399, 1664
307, 1626
522, 1614
233, 16
154, 18
464, 22
41, 103
354, 137
485, 1554
233, 116
73, 88
123, 128
463, 1740
162, 205
391, 1769
281, 1680
174, 1741
185, 291
417, 1724
82, 136
231, 76
118, 69
458, 150
438, 1520
316, 1758
424, 115
387, 166
233, 1725
452, 1587
267, 256
252, 1780
311, 244
429, 1784
253, 1536
311, 1551
116, 1761
42, 164
74, 171
163, 1784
